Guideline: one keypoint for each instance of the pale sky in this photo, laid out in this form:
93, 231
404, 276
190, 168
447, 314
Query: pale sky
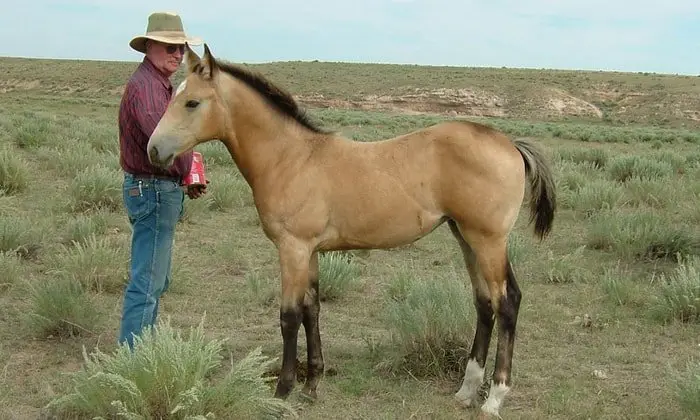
642, 35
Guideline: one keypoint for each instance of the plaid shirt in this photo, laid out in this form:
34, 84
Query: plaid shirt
143, 103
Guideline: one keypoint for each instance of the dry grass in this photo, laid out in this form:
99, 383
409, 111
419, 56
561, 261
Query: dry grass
591, 292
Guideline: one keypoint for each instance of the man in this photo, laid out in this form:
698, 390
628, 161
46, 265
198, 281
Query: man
153, 198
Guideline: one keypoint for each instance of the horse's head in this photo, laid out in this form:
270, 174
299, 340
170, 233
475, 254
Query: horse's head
196, 113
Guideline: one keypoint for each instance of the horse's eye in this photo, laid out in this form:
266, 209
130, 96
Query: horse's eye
192, 103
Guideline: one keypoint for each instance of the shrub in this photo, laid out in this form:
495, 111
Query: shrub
649, 192
33, 132
262, 289
18, 234
96, 263
14, 172
96, 187
686, 387
337, 273
69, 159
568, 268
228, 192
641, 235
11, 269
61, 308
597, 157
170, 376
595, 196
429, 323
82, 227
622, 168
679, 295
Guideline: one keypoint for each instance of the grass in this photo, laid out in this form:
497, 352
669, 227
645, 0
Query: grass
427, 321
14, 176
61, 308
680, 293
614, 283
170, 376
338, 273
686, 385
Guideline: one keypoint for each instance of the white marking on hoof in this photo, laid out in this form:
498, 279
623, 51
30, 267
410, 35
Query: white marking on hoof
496, 395
181, 87
473, 377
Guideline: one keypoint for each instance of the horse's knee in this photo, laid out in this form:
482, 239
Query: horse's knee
290, 319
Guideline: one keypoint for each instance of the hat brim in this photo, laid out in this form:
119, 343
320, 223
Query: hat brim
138, 43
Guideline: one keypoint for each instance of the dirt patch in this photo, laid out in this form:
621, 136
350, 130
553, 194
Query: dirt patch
563, 103
692, 114
435, 101
552, 102
10, 85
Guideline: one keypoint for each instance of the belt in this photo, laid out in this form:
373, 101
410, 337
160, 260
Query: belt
156, 176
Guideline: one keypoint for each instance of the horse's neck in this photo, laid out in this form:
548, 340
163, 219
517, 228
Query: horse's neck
264, 143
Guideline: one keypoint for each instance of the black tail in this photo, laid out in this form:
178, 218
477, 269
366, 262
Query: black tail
543, 200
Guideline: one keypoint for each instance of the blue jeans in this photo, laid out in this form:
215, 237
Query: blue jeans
153, 206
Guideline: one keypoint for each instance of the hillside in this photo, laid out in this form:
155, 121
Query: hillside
526, 94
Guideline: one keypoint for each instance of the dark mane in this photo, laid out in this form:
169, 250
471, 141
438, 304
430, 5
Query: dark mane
275, 95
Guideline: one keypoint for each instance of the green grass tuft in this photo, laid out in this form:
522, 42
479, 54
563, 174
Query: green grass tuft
171, 376
338, 273
679, 294
686, 387
96, 187
60, 307
98, 264
430, 324
14, 173
643, 235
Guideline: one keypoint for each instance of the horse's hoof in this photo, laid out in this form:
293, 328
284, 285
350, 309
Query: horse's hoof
282, 391
309, 395
486, 414
465, 402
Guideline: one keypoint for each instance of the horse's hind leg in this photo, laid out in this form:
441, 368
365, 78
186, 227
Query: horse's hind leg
311, 310
474, 372
492, 258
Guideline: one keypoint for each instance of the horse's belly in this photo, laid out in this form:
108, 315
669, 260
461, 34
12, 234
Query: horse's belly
387, 229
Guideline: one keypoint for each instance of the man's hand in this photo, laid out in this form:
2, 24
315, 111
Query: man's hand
196, 191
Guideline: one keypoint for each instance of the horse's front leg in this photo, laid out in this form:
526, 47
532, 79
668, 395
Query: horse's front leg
294, 264
311, 310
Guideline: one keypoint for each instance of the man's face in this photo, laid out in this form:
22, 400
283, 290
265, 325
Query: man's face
166, 57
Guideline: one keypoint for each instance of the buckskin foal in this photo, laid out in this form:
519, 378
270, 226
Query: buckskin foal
317, 191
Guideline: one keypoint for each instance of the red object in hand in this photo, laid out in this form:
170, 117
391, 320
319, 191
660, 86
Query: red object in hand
197, 175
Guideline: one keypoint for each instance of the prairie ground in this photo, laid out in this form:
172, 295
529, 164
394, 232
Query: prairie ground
609, 325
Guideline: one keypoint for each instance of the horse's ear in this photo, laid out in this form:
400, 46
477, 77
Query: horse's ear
209, 65
191, 58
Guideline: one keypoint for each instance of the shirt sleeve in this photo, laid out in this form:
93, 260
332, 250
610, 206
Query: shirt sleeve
148, 105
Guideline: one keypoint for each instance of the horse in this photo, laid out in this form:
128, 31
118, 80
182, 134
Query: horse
317, 191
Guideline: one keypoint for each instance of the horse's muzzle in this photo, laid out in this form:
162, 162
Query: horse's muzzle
160, 158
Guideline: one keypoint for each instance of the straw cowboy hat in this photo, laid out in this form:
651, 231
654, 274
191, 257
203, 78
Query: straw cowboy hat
163, 27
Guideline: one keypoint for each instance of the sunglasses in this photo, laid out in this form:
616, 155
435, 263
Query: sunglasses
170, 49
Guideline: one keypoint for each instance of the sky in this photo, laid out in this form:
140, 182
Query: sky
639, 36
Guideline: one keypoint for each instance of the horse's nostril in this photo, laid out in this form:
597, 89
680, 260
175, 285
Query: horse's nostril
153, 154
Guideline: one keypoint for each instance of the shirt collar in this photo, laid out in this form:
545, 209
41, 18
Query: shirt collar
149, 67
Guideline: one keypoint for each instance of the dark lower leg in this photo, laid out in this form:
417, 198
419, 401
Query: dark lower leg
313, 341
507, 320
507, 312
474, 370
484, 328
290, 320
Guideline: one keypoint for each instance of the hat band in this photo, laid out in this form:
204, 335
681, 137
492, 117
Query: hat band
167, 34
